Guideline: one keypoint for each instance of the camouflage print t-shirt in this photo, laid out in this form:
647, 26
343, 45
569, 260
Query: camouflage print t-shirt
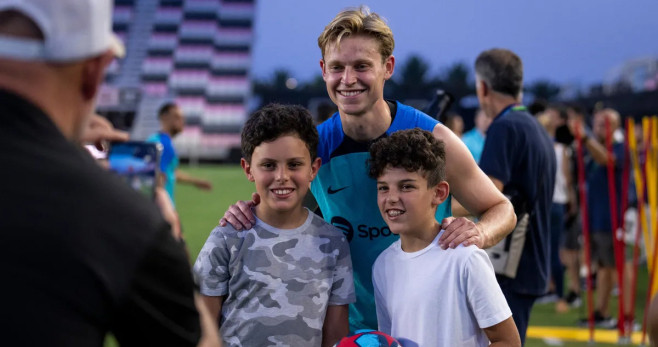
278, 283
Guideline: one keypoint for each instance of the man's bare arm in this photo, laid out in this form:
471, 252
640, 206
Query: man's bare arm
479, 196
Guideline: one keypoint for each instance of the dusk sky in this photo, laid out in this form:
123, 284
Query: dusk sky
566, 41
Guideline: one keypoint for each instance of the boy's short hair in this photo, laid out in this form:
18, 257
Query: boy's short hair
358, 21
502, 70
275, 120
412, 150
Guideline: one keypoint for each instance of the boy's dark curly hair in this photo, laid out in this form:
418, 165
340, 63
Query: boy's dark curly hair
275, 120
413, 150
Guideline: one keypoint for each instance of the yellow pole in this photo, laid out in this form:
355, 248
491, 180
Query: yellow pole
639, 179
637, 174
646, 232
652, 187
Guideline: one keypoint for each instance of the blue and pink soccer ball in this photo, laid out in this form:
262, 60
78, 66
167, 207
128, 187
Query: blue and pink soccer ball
368, 338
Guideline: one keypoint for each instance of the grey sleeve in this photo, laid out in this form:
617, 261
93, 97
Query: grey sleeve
211, 266
342, 291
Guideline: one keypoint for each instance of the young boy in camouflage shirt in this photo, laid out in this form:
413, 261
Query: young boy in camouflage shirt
288, 280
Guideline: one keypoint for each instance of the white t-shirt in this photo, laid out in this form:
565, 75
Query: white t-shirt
560, 194
436, 297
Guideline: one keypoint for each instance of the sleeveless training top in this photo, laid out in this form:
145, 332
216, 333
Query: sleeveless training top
347, 197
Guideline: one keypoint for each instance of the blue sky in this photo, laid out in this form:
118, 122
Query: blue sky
566, 41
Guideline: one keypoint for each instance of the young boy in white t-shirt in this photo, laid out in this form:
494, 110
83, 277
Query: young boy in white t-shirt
427, 296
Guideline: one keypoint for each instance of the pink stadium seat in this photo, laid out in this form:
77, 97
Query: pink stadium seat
198, 28
202, 5
234, 36
154, 88
220, 140
157, 65
228, 85
231, 60
195, 53
192, 105
189, 78
234, 10
168, 15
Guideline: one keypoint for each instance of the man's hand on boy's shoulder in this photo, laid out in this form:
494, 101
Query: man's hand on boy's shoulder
461, 231
240, 215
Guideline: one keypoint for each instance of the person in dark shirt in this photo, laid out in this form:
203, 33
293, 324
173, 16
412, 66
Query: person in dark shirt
519, 158
83, 254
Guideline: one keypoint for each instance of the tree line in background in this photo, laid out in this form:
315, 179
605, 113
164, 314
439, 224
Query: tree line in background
413, 81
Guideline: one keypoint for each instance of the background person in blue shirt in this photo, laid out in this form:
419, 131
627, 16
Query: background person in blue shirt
172, 122
474, 138
519, 158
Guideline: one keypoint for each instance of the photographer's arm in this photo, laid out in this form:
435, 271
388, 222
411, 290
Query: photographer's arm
100, 130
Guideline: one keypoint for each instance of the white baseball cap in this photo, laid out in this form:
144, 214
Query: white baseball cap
73, 30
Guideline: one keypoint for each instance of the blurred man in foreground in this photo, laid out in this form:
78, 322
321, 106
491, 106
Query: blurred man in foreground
84, 254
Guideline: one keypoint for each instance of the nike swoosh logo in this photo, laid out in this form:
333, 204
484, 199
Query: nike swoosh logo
331, 191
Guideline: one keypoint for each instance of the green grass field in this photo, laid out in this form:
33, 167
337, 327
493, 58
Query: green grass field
200, 211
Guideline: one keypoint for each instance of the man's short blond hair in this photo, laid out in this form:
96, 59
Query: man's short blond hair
358, 21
